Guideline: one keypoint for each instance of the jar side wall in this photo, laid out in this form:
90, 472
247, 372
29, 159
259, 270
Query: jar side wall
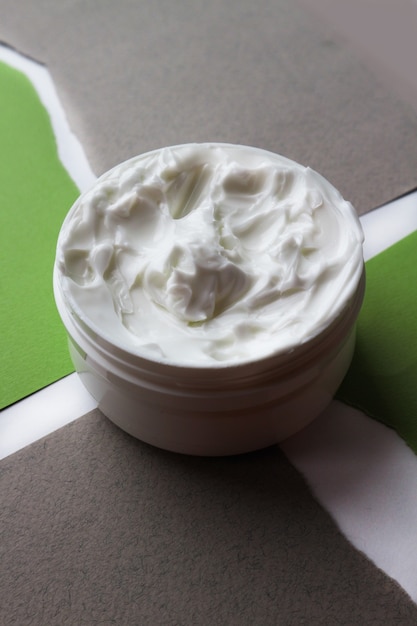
222, 432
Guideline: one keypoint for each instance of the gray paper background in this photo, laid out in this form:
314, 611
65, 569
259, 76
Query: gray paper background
98, 528
134, 76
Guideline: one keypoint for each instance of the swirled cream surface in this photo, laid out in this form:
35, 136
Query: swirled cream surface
210, 253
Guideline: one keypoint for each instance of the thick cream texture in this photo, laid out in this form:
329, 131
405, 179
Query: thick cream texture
210, 253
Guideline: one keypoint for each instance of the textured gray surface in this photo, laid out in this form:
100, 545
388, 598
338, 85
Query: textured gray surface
98, 528
134, 76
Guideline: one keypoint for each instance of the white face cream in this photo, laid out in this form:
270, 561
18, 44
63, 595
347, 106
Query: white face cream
210, 254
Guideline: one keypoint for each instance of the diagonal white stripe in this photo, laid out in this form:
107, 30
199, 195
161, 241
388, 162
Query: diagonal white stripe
366, 477
70, 150
42, 413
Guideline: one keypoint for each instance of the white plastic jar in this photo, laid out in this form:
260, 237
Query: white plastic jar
210, 294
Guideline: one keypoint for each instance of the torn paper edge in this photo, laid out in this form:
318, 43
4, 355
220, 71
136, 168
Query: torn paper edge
70, 150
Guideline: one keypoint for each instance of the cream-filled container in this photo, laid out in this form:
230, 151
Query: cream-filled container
210, 294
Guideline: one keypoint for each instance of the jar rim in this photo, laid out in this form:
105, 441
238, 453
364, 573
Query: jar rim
280, 361
134, 354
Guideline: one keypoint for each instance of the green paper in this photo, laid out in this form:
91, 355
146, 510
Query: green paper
382, 380
35, 194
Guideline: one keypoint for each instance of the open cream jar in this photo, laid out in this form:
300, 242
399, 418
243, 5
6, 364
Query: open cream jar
210, 294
